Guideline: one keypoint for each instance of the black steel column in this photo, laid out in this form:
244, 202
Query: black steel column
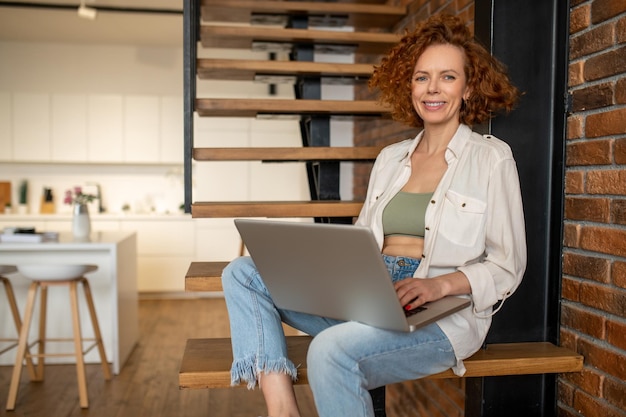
531, 38
191, 23
323, 177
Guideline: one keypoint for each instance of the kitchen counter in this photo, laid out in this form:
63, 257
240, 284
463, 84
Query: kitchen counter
114, 288
66, 241
94, 217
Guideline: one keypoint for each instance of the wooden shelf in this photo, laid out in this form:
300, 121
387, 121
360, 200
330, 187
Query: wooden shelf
304, 209
244, 37
361, 153
249, 70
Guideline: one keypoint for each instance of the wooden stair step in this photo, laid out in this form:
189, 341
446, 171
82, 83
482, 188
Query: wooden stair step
249, 70
204, 276
244, 37
304, 209
314, 153
206, 362
319, 13
249, 107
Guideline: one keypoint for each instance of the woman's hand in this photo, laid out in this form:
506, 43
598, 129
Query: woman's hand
413, 292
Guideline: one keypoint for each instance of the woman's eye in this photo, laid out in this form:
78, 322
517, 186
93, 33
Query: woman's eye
420, 78
449, 77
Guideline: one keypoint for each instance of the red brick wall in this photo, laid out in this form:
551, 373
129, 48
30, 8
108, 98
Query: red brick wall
594, 260
594, 255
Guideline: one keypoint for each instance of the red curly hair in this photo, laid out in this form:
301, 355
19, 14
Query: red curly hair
490, 88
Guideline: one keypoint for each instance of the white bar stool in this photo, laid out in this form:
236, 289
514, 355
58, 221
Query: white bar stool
42, 277
10, 294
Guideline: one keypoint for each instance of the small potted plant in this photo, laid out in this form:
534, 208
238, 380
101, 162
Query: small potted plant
22, 198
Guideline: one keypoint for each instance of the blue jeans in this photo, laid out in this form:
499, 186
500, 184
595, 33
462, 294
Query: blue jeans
345, 359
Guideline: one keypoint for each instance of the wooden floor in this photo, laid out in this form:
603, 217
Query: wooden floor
148, 384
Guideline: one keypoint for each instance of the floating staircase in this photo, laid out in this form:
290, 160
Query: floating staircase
255, 25
296, 28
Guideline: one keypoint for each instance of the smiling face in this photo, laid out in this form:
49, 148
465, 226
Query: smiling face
439, 86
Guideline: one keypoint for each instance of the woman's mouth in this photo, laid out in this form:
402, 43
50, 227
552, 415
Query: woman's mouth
433, 104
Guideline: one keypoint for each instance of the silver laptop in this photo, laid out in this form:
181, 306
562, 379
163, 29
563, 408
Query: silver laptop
333, 270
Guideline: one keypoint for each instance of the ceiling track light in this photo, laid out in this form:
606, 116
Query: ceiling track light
87, 12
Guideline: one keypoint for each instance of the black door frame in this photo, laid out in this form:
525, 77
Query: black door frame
531, 38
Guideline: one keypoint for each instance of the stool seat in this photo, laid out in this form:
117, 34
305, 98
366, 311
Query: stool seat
42, 277
55, 272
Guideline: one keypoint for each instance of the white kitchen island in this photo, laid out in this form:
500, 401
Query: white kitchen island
114, 288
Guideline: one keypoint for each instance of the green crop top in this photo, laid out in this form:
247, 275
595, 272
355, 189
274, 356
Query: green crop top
405, 214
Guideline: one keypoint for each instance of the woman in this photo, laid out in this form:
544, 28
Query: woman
446, 210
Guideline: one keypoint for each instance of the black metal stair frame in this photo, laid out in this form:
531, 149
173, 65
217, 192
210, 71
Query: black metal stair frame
191, 36
323, 177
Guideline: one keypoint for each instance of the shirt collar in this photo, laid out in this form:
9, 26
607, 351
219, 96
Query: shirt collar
457, 143
455, 146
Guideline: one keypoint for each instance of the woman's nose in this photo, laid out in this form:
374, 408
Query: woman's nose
433, 86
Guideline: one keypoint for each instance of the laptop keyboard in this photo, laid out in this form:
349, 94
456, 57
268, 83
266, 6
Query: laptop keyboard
414, 311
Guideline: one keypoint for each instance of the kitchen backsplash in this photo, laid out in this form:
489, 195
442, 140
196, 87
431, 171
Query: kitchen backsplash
136, 189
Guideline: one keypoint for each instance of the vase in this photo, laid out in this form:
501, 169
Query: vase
81, 223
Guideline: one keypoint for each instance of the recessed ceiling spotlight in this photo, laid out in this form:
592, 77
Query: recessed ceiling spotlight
87, 12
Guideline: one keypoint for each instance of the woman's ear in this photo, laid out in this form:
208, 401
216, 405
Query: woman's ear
467, 94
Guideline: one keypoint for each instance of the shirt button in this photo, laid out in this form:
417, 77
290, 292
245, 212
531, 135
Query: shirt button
432, 201
423, 256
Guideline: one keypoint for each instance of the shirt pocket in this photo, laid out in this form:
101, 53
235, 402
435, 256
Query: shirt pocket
463, 218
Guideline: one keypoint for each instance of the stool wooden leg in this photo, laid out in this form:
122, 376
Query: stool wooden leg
41, 345
96, 329
78, 346
18, 323
22, 346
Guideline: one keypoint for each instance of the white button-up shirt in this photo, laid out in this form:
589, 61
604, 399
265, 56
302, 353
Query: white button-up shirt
474, 224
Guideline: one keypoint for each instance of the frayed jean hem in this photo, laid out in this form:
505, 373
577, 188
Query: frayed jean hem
248, 370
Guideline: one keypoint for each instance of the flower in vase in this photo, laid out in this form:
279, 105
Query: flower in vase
77, 196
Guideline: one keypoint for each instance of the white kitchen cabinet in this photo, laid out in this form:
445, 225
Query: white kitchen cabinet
97, 225
171, 132
101, 128
162, 237
141, 129
209, 231
162, 273
69, 128
165, 248
31, 127
105, 123
6, 145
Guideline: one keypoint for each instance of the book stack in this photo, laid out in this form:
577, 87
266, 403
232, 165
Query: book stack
27, 235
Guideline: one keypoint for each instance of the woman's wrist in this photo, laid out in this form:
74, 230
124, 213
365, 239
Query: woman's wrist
455, 283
